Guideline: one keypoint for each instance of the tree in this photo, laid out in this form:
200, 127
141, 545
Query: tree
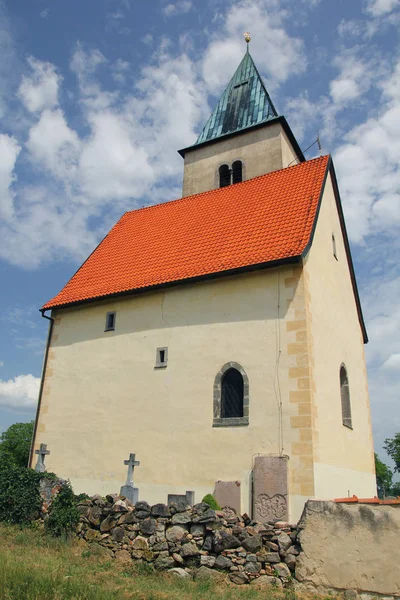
392, 447
383, 477
15, 444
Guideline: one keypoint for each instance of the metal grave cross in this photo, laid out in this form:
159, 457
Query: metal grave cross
42, 452
132, 463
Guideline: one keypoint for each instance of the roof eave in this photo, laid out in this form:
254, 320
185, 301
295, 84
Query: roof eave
280, 119
208, 276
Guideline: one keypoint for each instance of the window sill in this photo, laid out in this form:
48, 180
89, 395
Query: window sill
160, 366
110, 329
348, 426
232, 422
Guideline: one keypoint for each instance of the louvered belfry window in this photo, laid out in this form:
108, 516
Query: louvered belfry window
232, 394
237, 171
345, 397
224, 176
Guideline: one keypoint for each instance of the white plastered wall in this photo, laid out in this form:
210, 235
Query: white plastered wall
103, 398
343, 457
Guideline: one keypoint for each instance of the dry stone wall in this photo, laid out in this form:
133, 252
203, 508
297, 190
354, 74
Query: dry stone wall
191, 540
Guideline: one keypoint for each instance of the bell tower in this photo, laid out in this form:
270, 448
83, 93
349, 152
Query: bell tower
244, 137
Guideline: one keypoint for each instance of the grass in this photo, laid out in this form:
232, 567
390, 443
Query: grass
34, 566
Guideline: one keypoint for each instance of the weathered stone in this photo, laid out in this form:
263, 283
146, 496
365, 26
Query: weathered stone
94, 516
208, 543
160, 547
140, 543
127, 518
97, 550
107, 524
207, 561
251, 558
142, 514
177, 558
206, 517
164, 562
119, 506
252, 567
223, 563
197, 529
98, 500
123, 556
272, 557
224, 541
272, 546
227, 493
268, 580
179, 572
189, 549
148, 526
130, 493
252, 543
111, 498
284, 541
92, 534
83, 510
282, 570
181, 518
350, 594
270, 488
175, 533
143, 506
118, 534
290, 560
293, 550
160, 510
239, 578
207, 573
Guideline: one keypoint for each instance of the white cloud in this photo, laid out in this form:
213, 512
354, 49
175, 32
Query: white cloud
354, 77
377, 8
9, 151
392, 363
21, 392
179, 8
39, 90
1, 363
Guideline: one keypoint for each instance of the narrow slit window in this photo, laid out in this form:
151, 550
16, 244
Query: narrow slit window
237, 169
110, 321
345, 398
334, 246
161, 357
224, 176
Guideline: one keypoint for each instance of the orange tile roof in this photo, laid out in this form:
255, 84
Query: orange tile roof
265, 219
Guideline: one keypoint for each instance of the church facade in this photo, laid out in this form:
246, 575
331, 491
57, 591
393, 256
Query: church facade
221, 328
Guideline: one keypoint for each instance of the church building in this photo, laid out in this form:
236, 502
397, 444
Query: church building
219, 336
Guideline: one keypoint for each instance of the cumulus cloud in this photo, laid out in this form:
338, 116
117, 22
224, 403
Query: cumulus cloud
9, 150
377, 8
39, 89
20, 393
179, 8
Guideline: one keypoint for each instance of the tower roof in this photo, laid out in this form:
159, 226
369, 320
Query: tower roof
244, 103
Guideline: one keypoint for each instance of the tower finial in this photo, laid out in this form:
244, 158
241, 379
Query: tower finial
247, 39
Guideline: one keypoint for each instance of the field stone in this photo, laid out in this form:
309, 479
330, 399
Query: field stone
148, 526
92, 534
290, 560
197, 529
175, 533
107, 524
207, 573
123, 556
142, 505
189, 549
272, 557
223, 563
267, 580
239, 578
179, 572
252, 567
118, 534
98, 550
181, 518
160, 510
207, 561
140, 543
282, 570
94, 516
252, 543
164, 562
284, 541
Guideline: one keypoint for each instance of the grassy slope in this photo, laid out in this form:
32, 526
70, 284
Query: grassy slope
34, 566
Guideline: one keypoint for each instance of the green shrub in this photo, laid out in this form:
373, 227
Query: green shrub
211, 501
63, 515
20, 500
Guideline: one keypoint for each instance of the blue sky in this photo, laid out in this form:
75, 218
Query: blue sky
97, 96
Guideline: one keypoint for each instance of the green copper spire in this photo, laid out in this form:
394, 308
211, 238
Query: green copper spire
244, 103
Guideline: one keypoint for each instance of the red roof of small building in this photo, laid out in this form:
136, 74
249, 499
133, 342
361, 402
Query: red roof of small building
266, 219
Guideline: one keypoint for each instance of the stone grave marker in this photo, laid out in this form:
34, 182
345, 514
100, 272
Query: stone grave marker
270, 488
129, 490
40, 467
227, 493
187, 498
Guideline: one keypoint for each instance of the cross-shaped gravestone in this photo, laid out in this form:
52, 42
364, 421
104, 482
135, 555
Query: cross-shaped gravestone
128, 490
42, 452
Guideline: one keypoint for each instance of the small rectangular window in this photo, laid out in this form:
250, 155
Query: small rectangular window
161, 357
110, 321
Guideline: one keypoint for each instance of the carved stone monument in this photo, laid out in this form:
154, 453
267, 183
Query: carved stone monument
129, 490
187, 498
270, 488
227, 493
40, 467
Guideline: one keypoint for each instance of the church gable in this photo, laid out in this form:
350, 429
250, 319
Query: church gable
254, 224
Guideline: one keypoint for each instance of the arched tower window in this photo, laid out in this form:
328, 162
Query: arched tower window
224, 176
231, 396
237, 171
345, 397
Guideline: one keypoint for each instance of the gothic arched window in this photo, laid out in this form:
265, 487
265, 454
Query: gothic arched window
224, 176
237, 171
231, 396
345, 397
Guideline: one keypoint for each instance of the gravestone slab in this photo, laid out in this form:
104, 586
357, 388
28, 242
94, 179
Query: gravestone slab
187, 498
270, 488
130, 492
227, 493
